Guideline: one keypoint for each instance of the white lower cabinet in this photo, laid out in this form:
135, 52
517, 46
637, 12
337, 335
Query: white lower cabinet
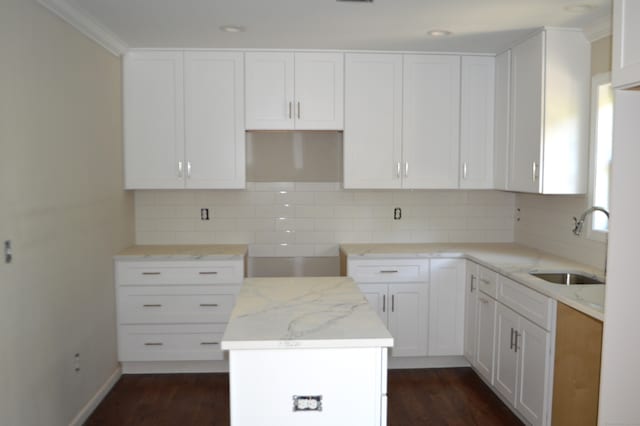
523, 365
470, 320
398, 290
446, 307
174, 310
485, 339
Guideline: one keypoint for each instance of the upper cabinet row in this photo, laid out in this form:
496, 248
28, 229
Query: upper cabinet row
514, 122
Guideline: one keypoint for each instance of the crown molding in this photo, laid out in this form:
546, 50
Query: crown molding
598, 29
87, 25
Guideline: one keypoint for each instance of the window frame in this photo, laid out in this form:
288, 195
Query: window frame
596, 81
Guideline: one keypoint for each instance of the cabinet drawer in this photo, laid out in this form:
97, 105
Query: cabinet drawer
396, 270
197, 342
175, 304
488, 282
528, 303
177, 272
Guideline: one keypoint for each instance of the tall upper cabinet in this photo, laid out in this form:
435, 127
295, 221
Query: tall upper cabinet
549, 113
625, 71
301, 90
183, 120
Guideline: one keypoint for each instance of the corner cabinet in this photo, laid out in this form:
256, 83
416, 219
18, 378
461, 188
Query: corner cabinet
625, 73
398, 290
302, 91
183, 120
446, 307
549, 113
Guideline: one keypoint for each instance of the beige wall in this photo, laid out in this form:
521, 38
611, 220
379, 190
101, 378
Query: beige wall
546, 221
62, 205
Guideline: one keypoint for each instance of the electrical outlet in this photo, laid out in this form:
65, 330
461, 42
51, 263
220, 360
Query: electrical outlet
397, 213
76, 362
8, 252
204, 214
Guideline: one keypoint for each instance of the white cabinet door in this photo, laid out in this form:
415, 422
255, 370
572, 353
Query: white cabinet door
505, 357
470, 319
477, 122
373, 121
214, 107
319, 91
501, 120
486, 336
446, 307
431, 113
533, 347
408, 318
625, 72
269, 83
527, 68
376, 295
153, 120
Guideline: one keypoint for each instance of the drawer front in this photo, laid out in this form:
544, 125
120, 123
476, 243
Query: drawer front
534, 306
200, 342
488, 282
389, 271
175, 304
179, 272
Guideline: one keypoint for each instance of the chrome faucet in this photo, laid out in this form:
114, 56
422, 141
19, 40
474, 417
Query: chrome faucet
579, 223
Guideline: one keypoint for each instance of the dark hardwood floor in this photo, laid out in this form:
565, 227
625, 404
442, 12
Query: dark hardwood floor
449, 396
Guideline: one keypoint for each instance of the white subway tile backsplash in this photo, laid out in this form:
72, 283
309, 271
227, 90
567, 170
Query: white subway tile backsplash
283, 219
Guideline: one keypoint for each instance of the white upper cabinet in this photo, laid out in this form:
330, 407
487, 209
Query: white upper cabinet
215, 139
183, 115
431, 112
373, 121
288, 90
549, 113
501, 120
625, 72
477, 122
153, 120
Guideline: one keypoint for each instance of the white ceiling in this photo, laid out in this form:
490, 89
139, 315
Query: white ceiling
477, 25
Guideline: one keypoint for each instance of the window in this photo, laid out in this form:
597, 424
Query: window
601, 148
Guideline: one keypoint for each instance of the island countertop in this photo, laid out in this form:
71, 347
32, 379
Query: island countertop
297, 312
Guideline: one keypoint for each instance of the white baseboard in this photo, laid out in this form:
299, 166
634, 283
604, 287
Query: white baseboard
91, 405
427, 362
168, 367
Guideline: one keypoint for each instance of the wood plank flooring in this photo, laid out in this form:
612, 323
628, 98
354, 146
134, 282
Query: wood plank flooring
449, 396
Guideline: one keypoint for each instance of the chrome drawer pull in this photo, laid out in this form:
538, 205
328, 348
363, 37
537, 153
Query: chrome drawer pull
209, 305
389, 271
151, 273
208, 273
209, 343
153, 344
511, 344
152, 305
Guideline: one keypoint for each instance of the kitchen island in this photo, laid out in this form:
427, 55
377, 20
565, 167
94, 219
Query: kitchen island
306, 351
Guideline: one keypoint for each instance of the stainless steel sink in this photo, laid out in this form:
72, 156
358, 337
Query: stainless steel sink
567, 278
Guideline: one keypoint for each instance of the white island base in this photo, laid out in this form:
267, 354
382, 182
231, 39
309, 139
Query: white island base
306, 351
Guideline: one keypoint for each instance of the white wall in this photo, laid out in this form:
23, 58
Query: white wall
62, 205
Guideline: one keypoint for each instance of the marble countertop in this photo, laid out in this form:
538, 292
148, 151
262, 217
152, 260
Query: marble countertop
511, 260
183, 252
297, 312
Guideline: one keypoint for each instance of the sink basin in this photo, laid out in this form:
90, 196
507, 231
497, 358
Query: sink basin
567, 278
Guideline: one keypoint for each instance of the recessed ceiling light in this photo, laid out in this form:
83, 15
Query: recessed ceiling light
232, 29
578, 8
439, 33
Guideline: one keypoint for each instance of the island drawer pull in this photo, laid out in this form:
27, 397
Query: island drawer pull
151, 273
209, 305
153, 343
389, 271
208, 273
152, 305
384, 303
393, 302
209, 343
